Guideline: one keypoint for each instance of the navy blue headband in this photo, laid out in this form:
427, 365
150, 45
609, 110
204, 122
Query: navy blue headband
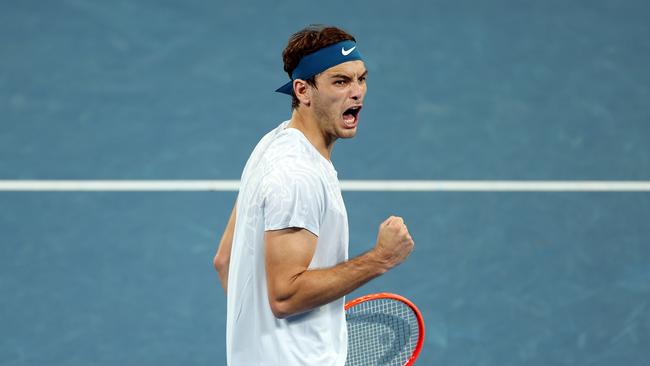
321, 60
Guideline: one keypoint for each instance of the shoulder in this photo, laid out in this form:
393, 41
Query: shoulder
288, 171
290, 152
289, 145
290, 166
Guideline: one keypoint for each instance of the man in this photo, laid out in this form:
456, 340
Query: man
283, 258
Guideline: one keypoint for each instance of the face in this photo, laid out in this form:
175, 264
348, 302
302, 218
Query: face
338, 97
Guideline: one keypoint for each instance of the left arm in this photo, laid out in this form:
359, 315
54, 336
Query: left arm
222, 258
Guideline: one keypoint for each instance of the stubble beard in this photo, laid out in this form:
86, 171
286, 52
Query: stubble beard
328, 122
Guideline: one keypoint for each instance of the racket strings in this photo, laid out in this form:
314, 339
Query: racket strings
381, 332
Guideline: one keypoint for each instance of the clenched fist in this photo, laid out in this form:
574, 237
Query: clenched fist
394, 243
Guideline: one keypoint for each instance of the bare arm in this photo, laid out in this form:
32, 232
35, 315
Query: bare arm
294, 289
222, 258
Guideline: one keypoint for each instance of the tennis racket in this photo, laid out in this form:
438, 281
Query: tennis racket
383, 330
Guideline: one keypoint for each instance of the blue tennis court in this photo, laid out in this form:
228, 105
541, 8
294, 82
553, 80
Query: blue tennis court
457, 91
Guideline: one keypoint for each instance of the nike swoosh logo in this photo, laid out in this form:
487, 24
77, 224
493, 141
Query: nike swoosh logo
345, 52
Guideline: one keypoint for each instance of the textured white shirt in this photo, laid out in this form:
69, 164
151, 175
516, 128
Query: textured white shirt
286, 183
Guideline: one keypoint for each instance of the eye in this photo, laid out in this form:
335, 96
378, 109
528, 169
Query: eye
339, 82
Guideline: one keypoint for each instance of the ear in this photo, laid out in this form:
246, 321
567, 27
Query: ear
302, 91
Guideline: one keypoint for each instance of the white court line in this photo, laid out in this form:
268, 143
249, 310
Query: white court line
346, 185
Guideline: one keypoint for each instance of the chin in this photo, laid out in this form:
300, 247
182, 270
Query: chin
347, 133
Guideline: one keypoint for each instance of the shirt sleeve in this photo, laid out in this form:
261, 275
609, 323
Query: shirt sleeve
293, 197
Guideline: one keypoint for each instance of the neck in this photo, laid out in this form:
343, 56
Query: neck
306, 123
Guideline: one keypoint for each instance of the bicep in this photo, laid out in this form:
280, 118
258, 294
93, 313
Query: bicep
287, 254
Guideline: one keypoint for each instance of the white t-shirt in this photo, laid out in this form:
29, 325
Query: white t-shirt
286, 183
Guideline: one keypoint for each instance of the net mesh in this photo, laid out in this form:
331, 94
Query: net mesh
381, 332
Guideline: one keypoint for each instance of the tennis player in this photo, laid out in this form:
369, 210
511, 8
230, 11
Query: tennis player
283, 258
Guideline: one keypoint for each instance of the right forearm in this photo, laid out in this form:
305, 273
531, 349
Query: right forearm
294, 288
313, 288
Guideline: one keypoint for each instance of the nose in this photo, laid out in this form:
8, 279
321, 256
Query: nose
357, 91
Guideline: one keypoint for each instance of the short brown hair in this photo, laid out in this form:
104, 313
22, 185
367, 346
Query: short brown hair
306, 41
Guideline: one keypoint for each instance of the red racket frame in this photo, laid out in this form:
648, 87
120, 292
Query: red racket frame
418, 316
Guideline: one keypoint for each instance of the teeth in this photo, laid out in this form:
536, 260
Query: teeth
352, 111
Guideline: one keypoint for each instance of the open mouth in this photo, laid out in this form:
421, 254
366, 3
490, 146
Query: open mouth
351, 116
